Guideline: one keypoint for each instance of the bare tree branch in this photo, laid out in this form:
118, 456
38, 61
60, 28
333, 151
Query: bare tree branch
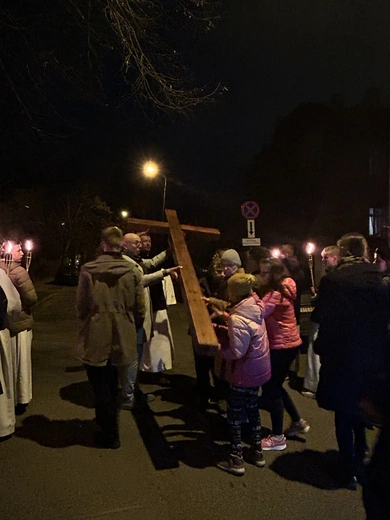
99, 51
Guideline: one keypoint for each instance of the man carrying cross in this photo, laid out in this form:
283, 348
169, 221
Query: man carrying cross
132, 248
192, 292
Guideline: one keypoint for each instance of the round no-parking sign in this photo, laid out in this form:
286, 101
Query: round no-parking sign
250, 209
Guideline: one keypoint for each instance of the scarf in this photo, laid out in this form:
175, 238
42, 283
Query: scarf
346, 261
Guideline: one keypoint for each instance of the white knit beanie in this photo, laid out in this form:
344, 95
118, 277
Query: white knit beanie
232, 256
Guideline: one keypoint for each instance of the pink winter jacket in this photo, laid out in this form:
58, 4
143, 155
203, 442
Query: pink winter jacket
280, 318
246, 346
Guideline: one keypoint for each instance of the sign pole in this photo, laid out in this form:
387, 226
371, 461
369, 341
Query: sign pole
250, 210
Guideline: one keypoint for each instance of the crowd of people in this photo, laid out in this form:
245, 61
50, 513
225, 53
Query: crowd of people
122, 300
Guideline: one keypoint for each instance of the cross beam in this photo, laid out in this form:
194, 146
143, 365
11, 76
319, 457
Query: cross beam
157, 227
192, 293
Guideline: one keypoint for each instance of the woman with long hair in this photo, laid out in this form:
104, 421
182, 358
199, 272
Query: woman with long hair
278, 293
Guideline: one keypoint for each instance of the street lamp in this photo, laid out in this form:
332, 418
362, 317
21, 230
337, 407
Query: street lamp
124, 214
151, 169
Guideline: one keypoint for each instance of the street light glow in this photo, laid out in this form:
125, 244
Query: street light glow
150, 169
124, 214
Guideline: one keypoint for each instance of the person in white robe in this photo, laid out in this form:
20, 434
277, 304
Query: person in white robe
7, 359
20, 325
158, 351
132, 246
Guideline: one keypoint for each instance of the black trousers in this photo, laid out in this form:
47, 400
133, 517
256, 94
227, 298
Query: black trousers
274, 397
351, 439
104, 381
204, 368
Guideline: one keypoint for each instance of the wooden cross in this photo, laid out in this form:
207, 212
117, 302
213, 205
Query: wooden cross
192, 293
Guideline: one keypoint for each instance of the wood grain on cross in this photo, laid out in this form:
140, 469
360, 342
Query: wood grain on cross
192, 293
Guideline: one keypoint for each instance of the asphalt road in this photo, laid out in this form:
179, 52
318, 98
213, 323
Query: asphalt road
165, 467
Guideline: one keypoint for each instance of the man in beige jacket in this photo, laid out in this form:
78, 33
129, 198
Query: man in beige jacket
110, 304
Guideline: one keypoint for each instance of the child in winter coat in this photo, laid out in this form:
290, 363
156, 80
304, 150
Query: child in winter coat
245, 347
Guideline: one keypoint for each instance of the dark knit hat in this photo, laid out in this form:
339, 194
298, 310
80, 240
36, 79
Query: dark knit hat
240, 286
231, 255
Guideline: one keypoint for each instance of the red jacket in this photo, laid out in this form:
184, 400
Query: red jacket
280, 318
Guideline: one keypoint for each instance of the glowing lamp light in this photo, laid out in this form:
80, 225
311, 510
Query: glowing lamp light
150, 169
28, 245
275, 253
310, 248
124, 214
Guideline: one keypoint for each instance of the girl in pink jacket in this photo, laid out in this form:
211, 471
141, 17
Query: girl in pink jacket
278, 293
245, 347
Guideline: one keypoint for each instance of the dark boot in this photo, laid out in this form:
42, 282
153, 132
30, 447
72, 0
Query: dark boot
255, 456
234, 465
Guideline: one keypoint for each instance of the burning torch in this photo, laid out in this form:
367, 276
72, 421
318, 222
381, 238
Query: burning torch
28, 246
310, 247
8, 256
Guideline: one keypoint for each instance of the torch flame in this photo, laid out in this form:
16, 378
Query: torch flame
275, 253
310, 247
9, 246
29, 245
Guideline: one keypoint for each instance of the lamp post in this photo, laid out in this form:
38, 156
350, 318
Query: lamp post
151, 169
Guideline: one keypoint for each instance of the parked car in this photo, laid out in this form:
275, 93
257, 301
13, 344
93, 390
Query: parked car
68, 272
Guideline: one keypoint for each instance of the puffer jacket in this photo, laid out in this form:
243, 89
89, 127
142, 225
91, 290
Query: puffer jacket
110, 303
19, 320
280, 317
22, 281
246, 347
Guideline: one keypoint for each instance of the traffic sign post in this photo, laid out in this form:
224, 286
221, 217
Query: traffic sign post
251, 242
250, 210
251, 228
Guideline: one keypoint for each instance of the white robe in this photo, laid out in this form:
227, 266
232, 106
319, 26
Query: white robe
312, 373
7, 361
158, 352
23, 367
7, 400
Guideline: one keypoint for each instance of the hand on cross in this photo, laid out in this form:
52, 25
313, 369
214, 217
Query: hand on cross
173, 272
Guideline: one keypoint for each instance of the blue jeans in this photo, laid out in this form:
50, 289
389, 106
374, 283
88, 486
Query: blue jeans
128, 375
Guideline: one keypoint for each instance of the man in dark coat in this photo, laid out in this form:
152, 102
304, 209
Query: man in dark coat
352, 310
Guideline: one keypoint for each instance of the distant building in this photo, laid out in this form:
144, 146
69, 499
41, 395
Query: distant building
326, 171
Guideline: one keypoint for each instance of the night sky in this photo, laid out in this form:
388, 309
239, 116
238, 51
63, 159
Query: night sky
271, 55
274, 55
